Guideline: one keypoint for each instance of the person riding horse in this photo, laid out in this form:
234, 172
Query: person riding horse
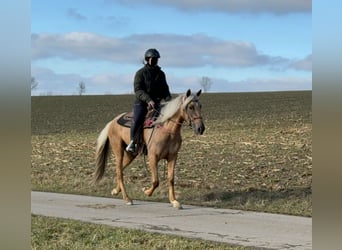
150, 87
162, 143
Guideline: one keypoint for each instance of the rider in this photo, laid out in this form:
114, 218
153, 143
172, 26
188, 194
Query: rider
150, 87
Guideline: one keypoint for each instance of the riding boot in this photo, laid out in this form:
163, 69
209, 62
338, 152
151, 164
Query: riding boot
139, 111
131, 147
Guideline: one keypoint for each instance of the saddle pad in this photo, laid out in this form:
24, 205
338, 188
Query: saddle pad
127, 118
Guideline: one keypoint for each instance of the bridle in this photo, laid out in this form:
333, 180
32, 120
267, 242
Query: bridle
192, 119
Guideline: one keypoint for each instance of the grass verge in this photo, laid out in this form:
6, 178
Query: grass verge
50, 233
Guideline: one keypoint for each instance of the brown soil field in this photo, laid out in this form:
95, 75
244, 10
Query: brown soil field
256, 152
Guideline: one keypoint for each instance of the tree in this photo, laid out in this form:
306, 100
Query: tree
34, 83
206, 83
81, 88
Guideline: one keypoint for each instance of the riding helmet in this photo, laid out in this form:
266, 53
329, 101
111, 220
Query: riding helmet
152, 53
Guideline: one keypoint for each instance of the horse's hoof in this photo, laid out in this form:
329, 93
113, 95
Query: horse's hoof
129, 203
146, 191
114, 192
176, 204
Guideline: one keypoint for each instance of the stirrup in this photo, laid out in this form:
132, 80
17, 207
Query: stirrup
131, 147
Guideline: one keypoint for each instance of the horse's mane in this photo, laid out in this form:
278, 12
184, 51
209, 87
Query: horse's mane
173, 106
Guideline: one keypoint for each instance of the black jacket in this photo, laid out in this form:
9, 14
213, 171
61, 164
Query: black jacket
150, 84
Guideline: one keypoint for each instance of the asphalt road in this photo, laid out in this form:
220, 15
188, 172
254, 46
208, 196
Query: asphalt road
261, 230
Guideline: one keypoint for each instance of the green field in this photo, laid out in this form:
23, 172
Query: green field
256, 152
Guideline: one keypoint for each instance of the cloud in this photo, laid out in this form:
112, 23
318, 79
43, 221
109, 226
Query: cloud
231, 6
281, 83
74, 14
78, 45
303, 64
114, 21
262, 84
183, 51
50, 82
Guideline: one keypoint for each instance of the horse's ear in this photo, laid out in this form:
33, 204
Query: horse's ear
199, 92
188, 93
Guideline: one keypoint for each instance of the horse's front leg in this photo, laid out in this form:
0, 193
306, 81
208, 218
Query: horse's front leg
154, 174
170, 178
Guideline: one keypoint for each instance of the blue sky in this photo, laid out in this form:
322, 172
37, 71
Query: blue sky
260, 45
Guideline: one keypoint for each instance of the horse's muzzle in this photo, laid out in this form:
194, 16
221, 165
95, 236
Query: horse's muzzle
198, 128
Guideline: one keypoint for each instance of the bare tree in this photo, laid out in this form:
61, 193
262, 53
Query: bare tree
34, 83
81, 88
206, 83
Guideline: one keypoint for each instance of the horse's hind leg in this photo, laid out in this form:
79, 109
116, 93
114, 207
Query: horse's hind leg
122, 160
127, 159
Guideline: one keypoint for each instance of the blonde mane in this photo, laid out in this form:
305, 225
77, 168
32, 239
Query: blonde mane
173, 106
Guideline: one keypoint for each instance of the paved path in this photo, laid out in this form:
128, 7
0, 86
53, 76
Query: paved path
223, 225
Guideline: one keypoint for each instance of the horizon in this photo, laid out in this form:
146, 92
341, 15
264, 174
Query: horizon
174, 94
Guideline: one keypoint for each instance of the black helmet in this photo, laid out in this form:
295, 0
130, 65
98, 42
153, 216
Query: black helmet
152, 53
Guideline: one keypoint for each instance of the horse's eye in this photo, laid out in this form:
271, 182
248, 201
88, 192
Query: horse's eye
191, 107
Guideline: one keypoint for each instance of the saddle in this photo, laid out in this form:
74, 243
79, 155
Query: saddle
127, 118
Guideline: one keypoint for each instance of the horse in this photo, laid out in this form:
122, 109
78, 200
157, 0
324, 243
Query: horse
163, 141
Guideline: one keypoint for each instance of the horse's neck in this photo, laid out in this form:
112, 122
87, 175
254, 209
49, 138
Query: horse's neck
175, 123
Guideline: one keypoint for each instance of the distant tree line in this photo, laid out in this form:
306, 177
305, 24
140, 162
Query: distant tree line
81, 88
205, 84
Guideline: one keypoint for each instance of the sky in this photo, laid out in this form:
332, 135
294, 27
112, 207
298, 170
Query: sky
242, 46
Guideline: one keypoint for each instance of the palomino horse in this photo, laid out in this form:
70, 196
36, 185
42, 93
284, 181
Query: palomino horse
162, 142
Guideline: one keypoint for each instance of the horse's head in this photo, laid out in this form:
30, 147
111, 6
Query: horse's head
192, 109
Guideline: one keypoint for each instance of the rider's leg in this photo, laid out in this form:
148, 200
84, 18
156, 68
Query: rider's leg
139, 113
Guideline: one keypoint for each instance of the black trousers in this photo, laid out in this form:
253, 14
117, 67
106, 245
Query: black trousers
139, 113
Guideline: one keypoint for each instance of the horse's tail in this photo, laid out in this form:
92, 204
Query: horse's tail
101, 155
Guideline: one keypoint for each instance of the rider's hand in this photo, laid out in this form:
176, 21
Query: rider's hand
151, 104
